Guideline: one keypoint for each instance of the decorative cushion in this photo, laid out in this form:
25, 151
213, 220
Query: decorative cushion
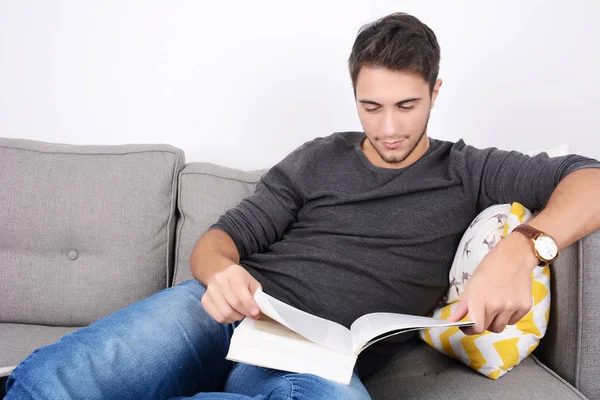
491, 354
86, 230
206, 191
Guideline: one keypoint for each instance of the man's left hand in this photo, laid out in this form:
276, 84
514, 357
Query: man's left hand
499, 291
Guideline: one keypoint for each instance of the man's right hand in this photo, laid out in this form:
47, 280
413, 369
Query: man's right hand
229, 295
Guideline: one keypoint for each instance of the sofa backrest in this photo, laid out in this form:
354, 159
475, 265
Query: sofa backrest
205, 192
84, 230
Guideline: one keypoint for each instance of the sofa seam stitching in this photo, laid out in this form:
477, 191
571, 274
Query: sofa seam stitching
579, 312
175, 152
178, 233
218, 176
171, 214
178, 238
558, 377
90, 154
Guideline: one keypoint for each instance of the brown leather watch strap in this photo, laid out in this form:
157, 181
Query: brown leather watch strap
528, 231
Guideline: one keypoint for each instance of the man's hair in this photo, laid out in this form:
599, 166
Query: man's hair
398, 42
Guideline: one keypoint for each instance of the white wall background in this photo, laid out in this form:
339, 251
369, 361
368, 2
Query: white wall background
243, 83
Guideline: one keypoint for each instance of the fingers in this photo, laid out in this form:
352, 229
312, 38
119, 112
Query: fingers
229, 295
495, 317
232, 297
218, 308
516, 317
499, 322
239, 298
228, 305
476, 314
460, 311
521, 312
254, 285
246, 300
239, 290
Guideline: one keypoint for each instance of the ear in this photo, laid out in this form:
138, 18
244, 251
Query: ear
436, 91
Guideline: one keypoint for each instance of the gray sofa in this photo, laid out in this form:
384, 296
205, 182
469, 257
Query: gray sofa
86, 230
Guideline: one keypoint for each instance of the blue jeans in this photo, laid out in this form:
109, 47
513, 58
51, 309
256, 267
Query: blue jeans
165, 346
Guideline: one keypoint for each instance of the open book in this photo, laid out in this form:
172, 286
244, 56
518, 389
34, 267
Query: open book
290, 339
5, 371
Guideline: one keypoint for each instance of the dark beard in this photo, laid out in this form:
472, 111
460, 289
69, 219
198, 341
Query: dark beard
399, 160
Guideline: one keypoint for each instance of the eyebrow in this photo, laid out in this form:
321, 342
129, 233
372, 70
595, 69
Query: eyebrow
401, 102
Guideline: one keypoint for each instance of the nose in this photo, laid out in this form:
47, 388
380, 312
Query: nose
389, 127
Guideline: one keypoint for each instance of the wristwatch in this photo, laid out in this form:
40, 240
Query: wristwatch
544, 245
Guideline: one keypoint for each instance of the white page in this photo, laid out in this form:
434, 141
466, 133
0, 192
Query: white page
319, 330
370, 326
268, 343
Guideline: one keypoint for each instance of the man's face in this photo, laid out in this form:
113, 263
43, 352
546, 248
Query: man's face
393, 108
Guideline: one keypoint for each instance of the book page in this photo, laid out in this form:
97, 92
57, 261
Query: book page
269, 344
375, 325
318, 330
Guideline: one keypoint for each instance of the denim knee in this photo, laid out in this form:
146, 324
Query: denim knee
165, 343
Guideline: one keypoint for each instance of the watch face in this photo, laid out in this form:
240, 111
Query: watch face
546, 247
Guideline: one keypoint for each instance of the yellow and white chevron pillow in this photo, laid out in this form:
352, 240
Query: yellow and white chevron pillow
491, 354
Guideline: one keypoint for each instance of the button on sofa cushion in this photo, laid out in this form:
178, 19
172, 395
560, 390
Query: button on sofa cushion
84, 230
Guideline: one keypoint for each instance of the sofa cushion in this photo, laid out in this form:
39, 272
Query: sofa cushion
418, 371
491, 354
86, 230
206, 191
19, 340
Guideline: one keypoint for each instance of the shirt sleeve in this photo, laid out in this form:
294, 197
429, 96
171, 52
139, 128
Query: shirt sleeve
499, 177
263, 217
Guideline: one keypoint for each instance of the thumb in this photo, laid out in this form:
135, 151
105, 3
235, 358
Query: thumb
253, 286
461, 310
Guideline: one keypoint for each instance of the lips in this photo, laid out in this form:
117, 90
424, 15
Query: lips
392, 145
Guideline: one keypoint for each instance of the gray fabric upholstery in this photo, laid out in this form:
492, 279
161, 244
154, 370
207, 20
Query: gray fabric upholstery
571, 346
417, 371
86, 230
19, 340
205, 192
82, 236
589, 302
558, 348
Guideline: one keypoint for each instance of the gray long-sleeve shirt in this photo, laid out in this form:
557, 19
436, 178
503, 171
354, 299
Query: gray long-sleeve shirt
330, 233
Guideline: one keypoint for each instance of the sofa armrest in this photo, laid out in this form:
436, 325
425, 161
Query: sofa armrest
571, 346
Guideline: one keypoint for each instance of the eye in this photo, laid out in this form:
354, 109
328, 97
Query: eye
372, 110
406, 108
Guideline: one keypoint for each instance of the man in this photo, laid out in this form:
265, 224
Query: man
345, 225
